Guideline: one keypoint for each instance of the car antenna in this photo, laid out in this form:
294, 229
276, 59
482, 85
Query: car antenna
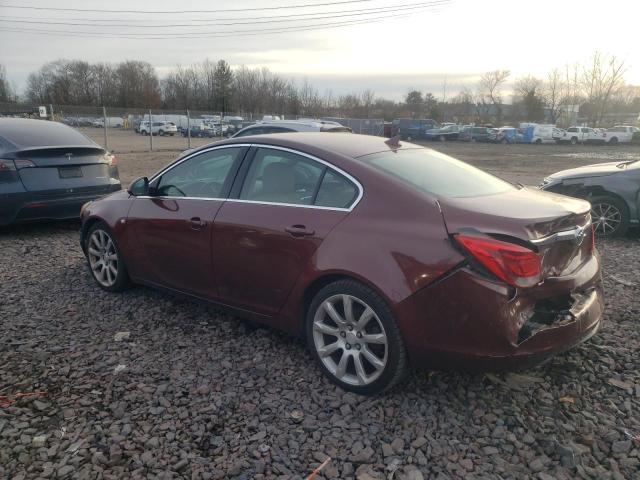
394, 141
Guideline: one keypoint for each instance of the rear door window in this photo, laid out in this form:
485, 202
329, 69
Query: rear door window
336, 191
278, 176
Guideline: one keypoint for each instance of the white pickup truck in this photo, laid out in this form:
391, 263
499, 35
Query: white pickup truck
619, 134
574, 135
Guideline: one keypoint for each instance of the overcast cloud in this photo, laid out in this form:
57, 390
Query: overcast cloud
453, 43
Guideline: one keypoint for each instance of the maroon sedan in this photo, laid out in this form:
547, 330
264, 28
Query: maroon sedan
382, 255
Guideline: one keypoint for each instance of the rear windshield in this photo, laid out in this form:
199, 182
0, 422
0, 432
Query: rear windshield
26, 133
437, 174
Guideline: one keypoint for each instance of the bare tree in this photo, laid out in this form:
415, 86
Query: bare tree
368, 98
528, 91
490, 86
600, 79
552, 94
415, 103
6, 94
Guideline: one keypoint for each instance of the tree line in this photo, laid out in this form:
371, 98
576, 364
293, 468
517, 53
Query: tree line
595, 88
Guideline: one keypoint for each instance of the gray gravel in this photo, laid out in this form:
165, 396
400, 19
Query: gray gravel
146, 385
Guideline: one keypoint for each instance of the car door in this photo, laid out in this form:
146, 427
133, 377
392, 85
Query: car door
283, 206
174, 224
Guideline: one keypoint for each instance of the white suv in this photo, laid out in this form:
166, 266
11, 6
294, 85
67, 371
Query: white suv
158, 128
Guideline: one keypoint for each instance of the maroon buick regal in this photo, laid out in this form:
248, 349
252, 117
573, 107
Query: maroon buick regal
383, 255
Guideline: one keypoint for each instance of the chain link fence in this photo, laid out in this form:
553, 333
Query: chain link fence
141, 129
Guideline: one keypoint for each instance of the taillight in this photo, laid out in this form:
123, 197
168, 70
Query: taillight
516, 265
8, 171
23, 163
111, 160
7, 166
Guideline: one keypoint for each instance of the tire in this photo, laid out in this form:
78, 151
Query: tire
504, 141
383, 361
609, 211
409, 138
443, 138
538, 141
100, 242
613, 141
574, 140
161, 133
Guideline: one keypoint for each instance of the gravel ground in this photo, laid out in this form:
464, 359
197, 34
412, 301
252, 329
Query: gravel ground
147, 385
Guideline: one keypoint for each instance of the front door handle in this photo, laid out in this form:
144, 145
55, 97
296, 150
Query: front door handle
196, 223
299, 231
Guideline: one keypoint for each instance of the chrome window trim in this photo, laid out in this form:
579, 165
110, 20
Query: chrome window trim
353, 180
191, 155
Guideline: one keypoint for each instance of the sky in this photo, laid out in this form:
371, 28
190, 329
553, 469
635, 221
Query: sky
388, 46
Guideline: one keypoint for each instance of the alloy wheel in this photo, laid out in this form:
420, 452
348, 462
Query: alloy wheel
103, 258
350, 340
606, 218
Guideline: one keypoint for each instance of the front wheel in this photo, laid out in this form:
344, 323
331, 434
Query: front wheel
355, 339
609, 215
104, 259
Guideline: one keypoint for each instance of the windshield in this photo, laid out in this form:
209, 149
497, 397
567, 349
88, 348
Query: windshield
437, 174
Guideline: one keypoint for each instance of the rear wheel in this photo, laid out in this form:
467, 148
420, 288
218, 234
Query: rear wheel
613, 141
161, 133
104, 259
609, 215
574, 140
355, 339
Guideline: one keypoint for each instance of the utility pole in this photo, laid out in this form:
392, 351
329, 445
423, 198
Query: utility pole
150, 132
188, 130
104, 121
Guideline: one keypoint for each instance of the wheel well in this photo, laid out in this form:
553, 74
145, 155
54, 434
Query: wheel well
601, 192
86, 226
317, 285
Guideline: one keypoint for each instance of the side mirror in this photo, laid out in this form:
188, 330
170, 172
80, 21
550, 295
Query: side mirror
139, 187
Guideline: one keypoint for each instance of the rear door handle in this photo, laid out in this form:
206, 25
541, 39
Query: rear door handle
299, 231
196, 223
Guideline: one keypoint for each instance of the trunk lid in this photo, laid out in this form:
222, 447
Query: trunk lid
64, 169
558, 227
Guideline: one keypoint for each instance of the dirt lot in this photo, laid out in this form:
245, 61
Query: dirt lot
193, 393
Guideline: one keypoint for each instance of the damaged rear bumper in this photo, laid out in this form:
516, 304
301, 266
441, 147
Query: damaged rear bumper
469, 322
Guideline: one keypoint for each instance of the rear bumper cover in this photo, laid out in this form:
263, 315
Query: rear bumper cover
27, 207
468, 322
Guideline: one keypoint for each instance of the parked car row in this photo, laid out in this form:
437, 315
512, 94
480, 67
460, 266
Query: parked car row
427, 129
